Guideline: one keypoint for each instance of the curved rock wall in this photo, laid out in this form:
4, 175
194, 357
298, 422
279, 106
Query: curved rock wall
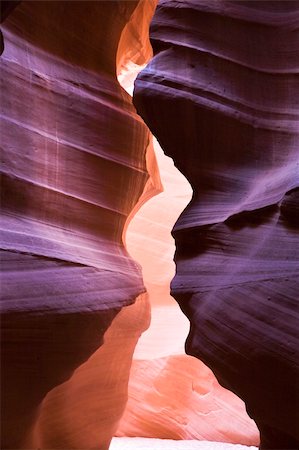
74, 167
221, 96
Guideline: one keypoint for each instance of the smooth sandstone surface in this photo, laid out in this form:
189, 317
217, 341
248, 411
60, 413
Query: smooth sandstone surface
224, 79
83, 412
78, 164
178, 397
74, 168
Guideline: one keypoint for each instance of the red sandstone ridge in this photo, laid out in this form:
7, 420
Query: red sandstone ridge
221, 97
74, 168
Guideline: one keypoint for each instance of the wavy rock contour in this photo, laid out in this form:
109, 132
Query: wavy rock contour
74, 168
221, 96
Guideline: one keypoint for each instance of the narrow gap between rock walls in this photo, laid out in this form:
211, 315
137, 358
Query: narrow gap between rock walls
156, 409
149, 242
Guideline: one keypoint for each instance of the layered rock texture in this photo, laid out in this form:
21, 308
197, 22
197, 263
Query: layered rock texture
221, 96
74, 168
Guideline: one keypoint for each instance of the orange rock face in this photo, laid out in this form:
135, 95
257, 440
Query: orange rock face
84, 411
178, 397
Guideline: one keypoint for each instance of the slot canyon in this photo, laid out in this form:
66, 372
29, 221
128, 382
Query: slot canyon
149, 225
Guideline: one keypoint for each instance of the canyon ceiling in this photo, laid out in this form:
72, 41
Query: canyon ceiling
220, 93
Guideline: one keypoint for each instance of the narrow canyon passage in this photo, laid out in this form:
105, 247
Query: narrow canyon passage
93, 346
171, 395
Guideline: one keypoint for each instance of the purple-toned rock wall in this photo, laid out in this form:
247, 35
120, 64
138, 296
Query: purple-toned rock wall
73, 169
221, 95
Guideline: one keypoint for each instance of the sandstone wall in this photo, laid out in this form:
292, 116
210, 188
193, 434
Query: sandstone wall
221, 96
74, 168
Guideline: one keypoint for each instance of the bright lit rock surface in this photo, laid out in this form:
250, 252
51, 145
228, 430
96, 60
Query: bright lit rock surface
167, 444
171, 394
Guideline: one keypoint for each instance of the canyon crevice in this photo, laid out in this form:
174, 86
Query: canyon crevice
78, 165
172, 395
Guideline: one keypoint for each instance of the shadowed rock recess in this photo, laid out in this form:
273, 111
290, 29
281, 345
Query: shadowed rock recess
221, 96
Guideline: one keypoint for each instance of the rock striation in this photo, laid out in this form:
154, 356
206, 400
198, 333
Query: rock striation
74, 168
221, 96
178, 397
